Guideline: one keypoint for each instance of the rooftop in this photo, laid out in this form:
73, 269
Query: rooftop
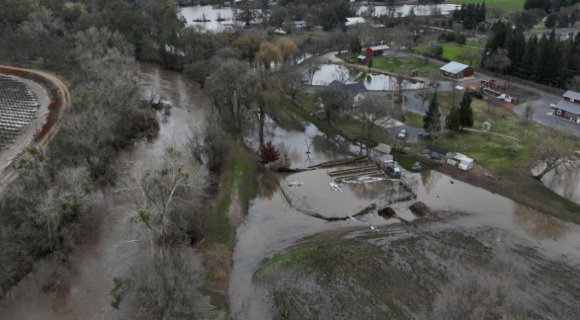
436, 149
572, 95
381, 47
454, 67
569, 106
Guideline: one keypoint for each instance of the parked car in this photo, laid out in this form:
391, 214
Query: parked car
402, 134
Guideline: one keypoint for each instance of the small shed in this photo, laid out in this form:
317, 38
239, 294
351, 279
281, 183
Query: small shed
435, 152
456, 70
300, 24
463, 162
376, 51
361, 59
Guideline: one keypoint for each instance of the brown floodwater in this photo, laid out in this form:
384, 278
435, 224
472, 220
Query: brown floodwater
110, 251
272, 225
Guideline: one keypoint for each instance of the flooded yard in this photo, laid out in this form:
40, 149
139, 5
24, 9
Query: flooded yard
419, 10
373, 82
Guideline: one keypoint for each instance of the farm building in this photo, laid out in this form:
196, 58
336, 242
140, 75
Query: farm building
456, 70
461, 161
376, 51
568, 107
435, 152
361, 59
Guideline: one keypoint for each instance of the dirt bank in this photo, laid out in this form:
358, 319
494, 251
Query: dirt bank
430, 269
59, 101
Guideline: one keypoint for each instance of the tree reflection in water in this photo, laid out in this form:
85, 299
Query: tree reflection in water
537, 224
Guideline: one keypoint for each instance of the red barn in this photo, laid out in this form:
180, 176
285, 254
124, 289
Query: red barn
361, 59
456, 70
376, 51
568, 107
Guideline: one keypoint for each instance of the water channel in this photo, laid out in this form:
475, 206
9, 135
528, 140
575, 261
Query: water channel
110, 250
270, 225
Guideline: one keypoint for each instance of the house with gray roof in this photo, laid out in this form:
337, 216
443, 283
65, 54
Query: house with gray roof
456, 70
568, 107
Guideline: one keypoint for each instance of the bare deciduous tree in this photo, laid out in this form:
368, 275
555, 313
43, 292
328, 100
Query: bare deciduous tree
312, 66
552, 151
529, 110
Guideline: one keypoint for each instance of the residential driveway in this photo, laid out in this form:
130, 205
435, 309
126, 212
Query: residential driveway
413, 103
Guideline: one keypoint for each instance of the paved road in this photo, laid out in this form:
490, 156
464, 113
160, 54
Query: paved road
542, 115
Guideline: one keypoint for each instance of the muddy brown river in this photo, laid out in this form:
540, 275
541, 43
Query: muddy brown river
271, 224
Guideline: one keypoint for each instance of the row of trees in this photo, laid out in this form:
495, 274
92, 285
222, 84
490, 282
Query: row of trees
548, 5
470, 15
457, 119
548, 60
47, 209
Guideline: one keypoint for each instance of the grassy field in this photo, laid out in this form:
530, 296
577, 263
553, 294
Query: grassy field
414, 120
475, 44
451, 50
407, 63
506, 5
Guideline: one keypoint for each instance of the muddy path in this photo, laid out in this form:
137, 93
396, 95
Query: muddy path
111, 247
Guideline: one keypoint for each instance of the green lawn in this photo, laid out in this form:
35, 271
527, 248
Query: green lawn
407, 63
451, 50
414, 120
474, 44
507, 5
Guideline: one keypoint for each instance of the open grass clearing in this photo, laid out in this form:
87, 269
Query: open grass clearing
414, 120
391, 63
410, 163
506, 5
475, 43
451, 50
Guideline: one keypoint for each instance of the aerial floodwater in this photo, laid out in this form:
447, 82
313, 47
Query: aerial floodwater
273, 224
110, 250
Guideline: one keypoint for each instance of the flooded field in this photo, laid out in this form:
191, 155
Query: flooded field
209, 18
565, 182
374, 82
403, 10
275, 223
272, 226
212, 18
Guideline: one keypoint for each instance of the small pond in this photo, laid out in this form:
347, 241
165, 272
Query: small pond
374, 82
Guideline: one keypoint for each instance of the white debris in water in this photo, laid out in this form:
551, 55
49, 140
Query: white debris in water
364, 179
295, 184
336, 187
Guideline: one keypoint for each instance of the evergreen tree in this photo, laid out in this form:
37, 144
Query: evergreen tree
529, 59
452, 122
465, 111
516, 46
432, 119
355, 46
